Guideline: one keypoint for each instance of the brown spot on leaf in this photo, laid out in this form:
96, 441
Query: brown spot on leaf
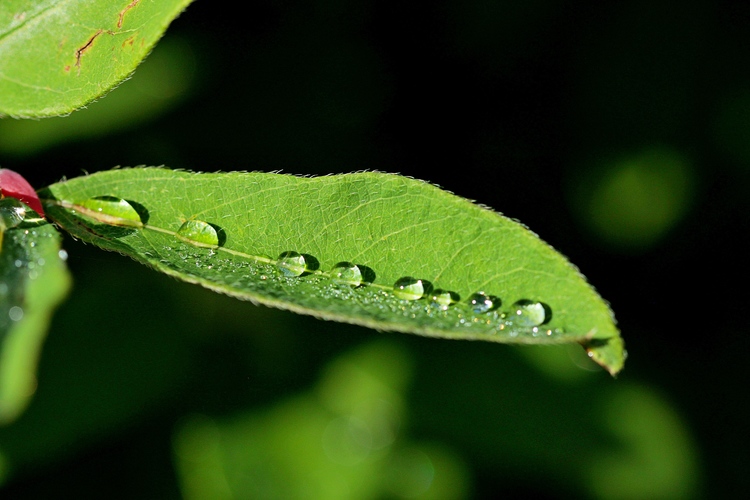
123, 11
67, 68
86, 46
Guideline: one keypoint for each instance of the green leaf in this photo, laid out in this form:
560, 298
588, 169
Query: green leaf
33, 281
57, 56
335, 246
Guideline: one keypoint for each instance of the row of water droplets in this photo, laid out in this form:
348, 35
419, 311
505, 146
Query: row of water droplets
523, 314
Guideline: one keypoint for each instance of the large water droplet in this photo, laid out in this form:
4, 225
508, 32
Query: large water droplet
346, 272
408, 288
480, 302
198, 233
12, 213
529, 313
443, 299
291, 263
110, 210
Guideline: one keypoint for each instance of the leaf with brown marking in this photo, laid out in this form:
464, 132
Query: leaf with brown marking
57, 56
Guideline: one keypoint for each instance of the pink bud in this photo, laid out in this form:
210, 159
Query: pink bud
15, 186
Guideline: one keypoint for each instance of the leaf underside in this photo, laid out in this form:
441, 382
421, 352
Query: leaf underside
389, 226
59, 55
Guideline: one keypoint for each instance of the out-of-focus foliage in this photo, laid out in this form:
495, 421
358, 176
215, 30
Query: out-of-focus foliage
631, 203
346, 438
517, 105
33, 281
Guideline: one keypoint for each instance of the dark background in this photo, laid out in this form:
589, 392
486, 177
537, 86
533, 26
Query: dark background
618, 132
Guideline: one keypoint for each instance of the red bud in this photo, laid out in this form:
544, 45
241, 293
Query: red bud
14, 186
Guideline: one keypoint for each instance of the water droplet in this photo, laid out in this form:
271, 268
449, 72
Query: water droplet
529, 313
480, 302
198, 233
12, 213
291, 263
408, 288
347, 273
443, 299
110, 210
15, 313
63, 255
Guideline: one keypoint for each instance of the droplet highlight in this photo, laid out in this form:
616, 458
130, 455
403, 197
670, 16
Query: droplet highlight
346, 273
199, 233
480, 302
529, 313
12, 213
291, 264
408, 288
110, 210
15, 313
443, 299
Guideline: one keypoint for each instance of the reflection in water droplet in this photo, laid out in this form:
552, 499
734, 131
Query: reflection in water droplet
529, 313
12, 213
291, 263
347, 273
198, 233
480, 302
443, 299
408, 288
15, 313
110, 210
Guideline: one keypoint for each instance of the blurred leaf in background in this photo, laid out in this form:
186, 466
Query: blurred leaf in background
631, 203
347, 438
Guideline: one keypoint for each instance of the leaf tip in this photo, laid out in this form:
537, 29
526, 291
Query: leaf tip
609, 353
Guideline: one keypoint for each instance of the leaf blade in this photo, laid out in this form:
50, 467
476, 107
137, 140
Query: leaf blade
388, 224
33, 281
57, 56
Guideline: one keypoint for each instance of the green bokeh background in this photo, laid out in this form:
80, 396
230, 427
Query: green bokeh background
619, 133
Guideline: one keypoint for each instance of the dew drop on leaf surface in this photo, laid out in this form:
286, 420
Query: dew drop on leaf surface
408, 288
12, 213
347, 273
480, 302
199, 233
291, 263
111, 210
443, 299
529, 313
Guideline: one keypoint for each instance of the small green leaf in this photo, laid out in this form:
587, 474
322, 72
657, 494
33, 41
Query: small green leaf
427, 262
57, 56
33, 281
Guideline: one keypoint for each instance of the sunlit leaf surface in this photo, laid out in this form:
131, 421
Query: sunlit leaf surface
374, 249
56, 56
